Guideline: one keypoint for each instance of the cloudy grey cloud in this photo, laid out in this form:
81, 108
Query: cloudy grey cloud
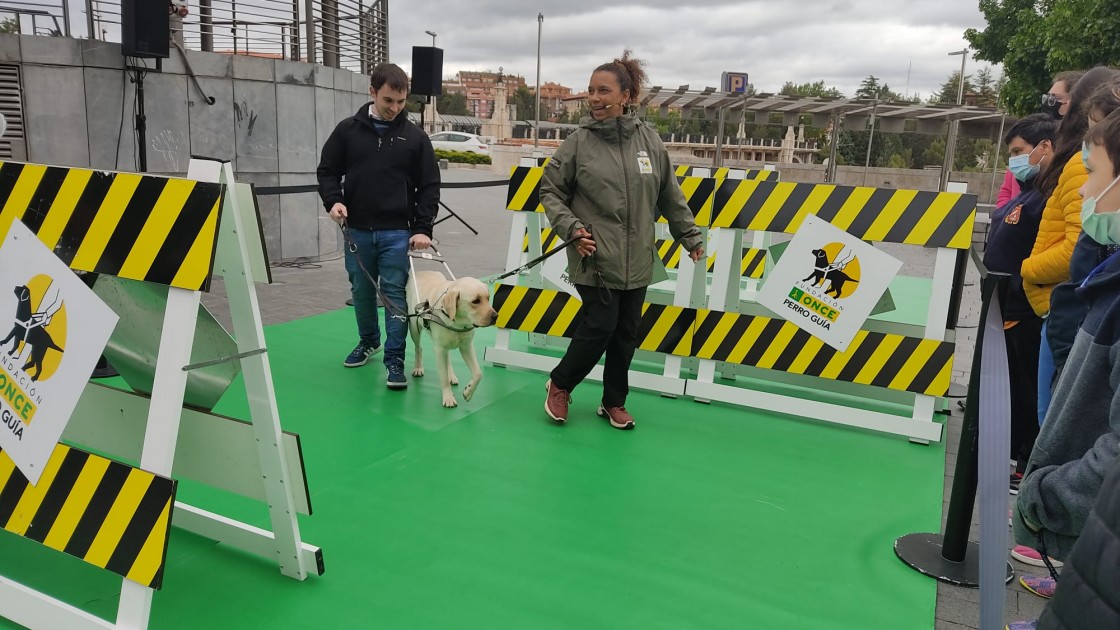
839, 41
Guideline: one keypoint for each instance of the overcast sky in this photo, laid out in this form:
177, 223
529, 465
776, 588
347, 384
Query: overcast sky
839, 41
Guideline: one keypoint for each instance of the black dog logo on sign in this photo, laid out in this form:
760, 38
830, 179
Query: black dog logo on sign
29, 329
830, 272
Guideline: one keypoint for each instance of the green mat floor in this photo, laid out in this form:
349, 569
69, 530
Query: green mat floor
487, 516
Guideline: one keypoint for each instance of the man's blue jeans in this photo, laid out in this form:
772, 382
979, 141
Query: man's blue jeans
384, 253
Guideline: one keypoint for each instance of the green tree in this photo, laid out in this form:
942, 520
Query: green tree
986, 91
1036, 40
9, 25
525, 101
414, 104
947, 93
453, 104
870, 88
900, 160
817, 90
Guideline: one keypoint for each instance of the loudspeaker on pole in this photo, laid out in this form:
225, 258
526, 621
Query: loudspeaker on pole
427, 70
145, 29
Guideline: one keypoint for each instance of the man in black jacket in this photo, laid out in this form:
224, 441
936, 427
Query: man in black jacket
379, 178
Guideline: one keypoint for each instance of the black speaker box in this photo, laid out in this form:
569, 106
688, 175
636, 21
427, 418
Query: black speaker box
145, 29
427, 70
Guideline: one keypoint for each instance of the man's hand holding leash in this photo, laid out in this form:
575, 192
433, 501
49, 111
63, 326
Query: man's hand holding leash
338, 213
419, 241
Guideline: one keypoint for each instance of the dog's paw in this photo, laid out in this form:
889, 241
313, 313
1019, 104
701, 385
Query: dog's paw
449, 400
453, 380
418, 371
468, 392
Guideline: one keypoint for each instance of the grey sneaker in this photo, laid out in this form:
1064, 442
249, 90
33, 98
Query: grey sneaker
360, 355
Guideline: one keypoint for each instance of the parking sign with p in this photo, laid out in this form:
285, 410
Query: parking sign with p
734, 82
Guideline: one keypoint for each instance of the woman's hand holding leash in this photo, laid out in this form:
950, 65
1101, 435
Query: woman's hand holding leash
585, 245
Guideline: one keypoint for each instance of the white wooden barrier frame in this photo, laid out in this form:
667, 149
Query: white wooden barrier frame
37, 610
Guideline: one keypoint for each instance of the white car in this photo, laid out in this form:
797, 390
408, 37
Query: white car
459, 141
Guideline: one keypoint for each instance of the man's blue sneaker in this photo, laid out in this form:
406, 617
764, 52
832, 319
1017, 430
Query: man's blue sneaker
396, 378
361, 354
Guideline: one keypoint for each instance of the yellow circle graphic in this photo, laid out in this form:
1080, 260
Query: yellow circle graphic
46, 335
840, 276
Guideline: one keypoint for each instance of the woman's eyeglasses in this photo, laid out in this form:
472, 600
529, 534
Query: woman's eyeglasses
1051, 100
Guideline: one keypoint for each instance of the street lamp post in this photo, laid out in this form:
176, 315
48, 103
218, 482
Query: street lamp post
434, 114
537, 114
954, 125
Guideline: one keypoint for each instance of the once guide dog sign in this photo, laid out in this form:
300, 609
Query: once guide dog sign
827, 282
54, 331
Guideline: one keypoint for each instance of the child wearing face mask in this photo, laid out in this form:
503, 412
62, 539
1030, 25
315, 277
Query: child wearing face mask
1011, 235
1080, 439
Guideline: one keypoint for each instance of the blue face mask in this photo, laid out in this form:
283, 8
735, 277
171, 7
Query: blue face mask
1103, 227
1021, 167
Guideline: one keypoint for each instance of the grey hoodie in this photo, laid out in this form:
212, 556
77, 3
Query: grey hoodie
614, 175
1080, 438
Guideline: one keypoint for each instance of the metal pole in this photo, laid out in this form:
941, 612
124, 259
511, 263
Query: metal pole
206, 24
330, 33
295, 31
867, 161
309, 15
717, 160
89, 19
66, 18
833, 150
141, 123
954, 126
435, 112
537, 126
995, 160
233, 25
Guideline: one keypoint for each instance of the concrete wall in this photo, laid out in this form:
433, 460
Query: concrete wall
270, 118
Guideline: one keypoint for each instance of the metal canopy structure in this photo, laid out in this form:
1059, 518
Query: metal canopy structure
890, 116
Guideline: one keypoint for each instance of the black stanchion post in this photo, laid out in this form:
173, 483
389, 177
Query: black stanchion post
952, 557
961, 266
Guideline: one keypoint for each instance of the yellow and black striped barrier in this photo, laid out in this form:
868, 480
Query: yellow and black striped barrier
911, 364
140, 227
523, 193
913, 217
549, 239
700, 192
105, 513
753, 261
722, 172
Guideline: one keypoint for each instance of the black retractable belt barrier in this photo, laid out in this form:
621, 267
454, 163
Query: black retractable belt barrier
951, 557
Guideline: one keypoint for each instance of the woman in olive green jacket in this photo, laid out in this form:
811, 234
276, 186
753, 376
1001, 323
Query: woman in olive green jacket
607, 183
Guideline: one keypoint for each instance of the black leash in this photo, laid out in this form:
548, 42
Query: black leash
424, 310
391, 309
532, 263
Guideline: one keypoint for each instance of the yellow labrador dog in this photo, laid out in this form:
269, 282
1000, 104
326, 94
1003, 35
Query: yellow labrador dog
458, 307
